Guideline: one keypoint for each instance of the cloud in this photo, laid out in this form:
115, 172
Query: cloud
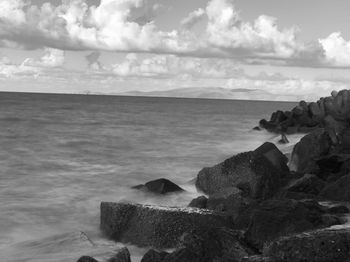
93, 60
336, 50
51, 58
113, 26
169, 66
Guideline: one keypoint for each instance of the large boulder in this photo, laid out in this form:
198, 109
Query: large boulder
154, 256
159, 227
338, 190
308, 184
318, 246
199, 202
220, 244
257, 173
309, 149
230, 200
86, 259
275, 218
160, 186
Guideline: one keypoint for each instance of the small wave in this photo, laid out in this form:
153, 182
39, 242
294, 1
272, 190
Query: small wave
10, 119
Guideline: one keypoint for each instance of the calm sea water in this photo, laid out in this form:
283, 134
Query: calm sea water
61, 155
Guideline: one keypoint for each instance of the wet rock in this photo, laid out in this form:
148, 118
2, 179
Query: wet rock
87, 259
154, 256
318, 246
257, 128
160, 186
275, 218
338, 190
218, 244
199, 202
123, 255
159, 227
338, 209
283, 140
230, 200
258, 173
308, 184
310, 148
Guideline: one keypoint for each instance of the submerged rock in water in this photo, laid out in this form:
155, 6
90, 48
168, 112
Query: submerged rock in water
283, 140
87, 259
160, 186
199, 202
318, 246
257, 173
159, 227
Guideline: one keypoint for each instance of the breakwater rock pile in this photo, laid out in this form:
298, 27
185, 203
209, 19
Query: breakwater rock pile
257, 206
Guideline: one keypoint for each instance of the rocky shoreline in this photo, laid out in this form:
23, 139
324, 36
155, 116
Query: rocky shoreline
257, 206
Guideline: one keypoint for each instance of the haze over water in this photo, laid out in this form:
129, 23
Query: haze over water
61, 155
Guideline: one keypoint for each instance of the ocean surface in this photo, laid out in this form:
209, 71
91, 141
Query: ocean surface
61, 155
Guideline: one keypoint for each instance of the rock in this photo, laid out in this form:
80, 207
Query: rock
123, 255
315, 110
268, 125
275, 218
230, 200
182, 255
298, 111
199, 202
330, 163
344, 138
331, 124
160, 186
338, 209
159, 227
283, 140
256, 172
218, 244
309, 184
310, 148
303, 105
334, 93
278, 117
257, 128
338, 190
87, 259
154, 256
318, 246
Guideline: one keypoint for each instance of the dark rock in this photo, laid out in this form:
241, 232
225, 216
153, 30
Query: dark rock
283, 140
154, 256
344, 146
123, 255
330, 163
275, 218
182, 255
159, 227
338, 209
319, 246
220, 244
160, 186
268, 125
199, 202
257, 128
258, 172
298, 111
230, 200
87, 259
338, 190
309, 184
310, 148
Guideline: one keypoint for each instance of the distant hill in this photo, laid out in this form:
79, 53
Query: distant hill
213, 93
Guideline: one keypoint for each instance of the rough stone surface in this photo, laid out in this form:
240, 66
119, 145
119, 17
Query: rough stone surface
308, 184
308, 150
123, 255
257, 173
319, 246
160, 186
154, 256
338, 190
159, 227
275, 218
87, 259
199, 202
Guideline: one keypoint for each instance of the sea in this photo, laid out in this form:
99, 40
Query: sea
61, 155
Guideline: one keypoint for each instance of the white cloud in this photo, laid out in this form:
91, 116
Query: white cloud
111, 26
51, 58
336, 50
169, 66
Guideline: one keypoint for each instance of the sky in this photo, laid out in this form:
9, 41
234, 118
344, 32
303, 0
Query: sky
299, 49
